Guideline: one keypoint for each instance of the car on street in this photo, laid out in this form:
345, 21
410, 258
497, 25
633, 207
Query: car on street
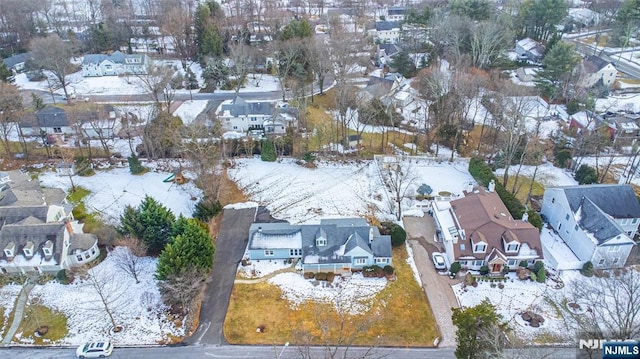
95, 350
438, 261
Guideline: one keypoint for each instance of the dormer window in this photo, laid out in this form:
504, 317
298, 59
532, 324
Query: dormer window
321, 242
8, 252
28, 249
479, 248
46, 251
513, 247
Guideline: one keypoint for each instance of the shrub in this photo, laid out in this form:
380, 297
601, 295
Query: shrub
321, 276
62, 277
331, 276
524, 264
388, 270
586, 175
587, 269
469, 279
268, 153
309, 275
455, 268
538, 266
207, 209
309, 157
505, 270
501, 285
484, 270
397, 233
533, 276
535, 219
134, 165
563, 157
541, 276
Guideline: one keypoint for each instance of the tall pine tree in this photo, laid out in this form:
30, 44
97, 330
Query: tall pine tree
191, 248
151, 222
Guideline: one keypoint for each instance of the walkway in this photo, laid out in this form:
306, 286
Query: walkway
289, 269
18, 312
437, 287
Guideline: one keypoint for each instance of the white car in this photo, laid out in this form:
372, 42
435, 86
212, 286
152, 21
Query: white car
94, 350
438, 261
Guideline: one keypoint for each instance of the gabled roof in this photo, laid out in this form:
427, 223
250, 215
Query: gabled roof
12, 61
593, 64
241, 107
596, 223
49, 116
36, 233
618, 201
387, 25
94, 59
356, 241
484, 217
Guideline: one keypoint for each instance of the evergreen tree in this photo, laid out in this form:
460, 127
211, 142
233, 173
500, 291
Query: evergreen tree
296, 29
556, 75
208, 38
191, 80
586, 175
207, 209
268, 153
134, 165
192, 248
5, 74
476, 331
538, 18
151, 222
404, 64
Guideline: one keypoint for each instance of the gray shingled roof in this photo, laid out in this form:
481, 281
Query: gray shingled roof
618, 201
81, 241
38, 234
387, 25
10, 214
94, 59
240, 107
356, 241
596, 222
16, 59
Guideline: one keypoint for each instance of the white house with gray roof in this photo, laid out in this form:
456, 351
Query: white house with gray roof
118, 63
334, 245
271, 117
597, 222
37, 229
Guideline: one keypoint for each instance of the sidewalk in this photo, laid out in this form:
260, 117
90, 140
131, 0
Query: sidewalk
18, 312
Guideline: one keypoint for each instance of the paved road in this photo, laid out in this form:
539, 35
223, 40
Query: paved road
230, 246
260, 352
620, 60
420, 231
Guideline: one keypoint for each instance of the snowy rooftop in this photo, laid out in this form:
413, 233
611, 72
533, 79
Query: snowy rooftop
556, 247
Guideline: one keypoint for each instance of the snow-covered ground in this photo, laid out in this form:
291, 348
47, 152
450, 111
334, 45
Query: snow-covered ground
8, 295
448, 177
630, 102
129, 303
112, 190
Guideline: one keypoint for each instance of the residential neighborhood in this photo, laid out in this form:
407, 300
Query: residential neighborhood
404, 179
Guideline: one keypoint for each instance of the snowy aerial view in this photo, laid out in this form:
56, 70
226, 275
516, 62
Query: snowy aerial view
259, 179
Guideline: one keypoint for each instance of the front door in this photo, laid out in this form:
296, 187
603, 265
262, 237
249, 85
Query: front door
497, 267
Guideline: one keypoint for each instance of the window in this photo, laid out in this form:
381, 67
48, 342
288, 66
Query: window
614, 248
575, 228
8, 253
634, 221
361, 260
268, 253
479, 248
57, 130
93, 251
478, 263
253, 119
601, 262
27, 252
462, 247
567, 217
615, 260
87, 256
46, 251
320, 242
512, 262
624, 221
79, 258
553, 200
630, 233
235, 127
513, 247
295, 252
108, 67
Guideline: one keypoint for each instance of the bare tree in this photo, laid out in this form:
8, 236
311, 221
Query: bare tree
110, 292
179, 290
399, 178
53, 54
10, 112
241, 56
203, 154
488, 42
178, 23
129, 256
157, 81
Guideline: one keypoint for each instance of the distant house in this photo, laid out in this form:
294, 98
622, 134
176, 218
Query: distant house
593, 69
625, 125
17, 62
478, 231
386, 32
118, 63
334, 245
597, 222
396, 13
37, 230
529, 49
382, 88
270, 117
55, 121
385, 52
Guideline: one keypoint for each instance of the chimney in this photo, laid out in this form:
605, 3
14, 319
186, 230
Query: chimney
259, 229
370, 234
69, 227
469, 187
525, 217
492, 186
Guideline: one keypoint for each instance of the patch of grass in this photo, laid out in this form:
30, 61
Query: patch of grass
91, 221
3, 323
400, 316
522, 187
36, 315
77, 196
630, 81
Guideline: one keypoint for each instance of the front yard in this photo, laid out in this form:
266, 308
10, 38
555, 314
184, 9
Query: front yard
398, 314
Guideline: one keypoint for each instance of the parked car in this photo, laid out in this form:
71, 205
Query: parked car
95, 350
438, 261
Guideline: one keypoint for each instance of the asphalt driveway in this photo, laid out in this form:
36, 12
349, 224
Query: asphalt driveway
230, 246
420, 234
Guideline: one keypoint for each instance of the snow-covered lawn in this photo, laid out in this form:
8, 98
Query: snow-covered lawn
446, 176
129, 303
516, 297
8, 295
630, 102
112, 190
547, 175
302, 195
